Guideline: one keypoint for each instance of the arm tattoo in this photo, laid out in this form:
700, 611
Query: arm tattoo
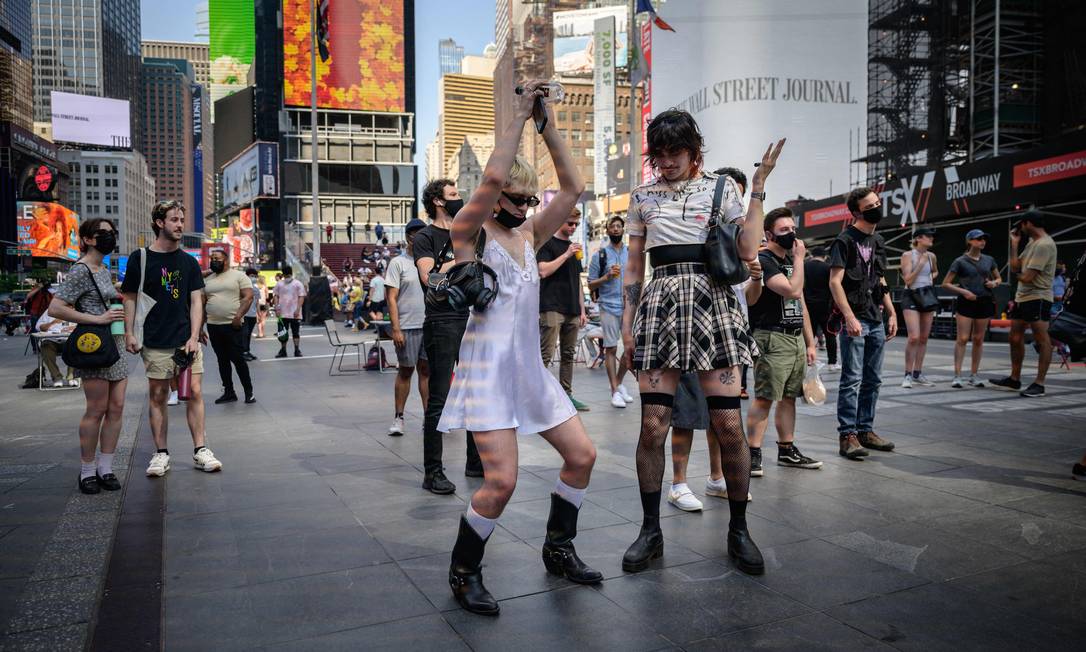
727, 377
633, 294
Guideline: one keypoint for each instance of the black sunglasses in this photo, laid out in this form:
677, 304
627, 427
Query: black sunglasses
522, 200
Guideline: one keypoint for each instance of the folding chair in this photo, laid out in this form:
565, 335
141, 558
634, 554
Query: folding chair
339, 348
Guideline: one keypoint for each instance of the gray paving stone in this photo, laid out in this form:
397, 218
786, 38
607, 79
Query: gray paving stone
815, 631
308, 553
53, 603
421, 634
1018, 532
68, 638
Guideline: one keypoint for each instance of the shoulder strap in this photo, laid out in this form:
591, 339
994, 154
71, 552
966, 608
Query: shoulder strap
94, 282
143, 267
718, 196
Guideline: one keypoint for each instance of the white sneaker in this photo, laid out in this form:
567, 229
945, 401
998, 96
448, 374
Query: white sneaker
684, 499
923, 380
173, 400
975, 382
719, 489
957, 382
833, 367
160, 463
397, 426
617, 400
73, 382
908, 382
58, 383
205, 460
626, 396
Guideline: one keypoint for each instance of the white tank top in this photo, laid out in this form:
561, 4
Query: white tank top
923, 279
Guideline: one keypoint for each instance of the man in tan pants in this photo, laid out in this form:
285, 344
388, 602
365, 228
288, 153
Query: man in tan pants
561, 301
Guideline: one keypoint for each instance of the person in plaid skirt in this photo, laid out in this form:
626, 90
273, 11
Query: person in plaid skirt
684, 321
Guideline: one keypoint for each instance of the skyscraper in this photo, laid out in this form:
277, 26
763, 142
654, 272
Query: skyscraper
16, 80
449, 56
194, 53
91, 47
466, 106
116, 186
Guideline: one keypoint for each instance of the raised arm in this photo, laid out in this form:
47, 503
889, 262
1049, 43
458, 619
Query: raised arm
471, 217
570, 185
751, 236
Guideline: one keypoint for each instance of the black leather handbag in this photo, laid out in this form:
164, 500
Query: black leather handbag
721, 249
437, 286
1070, 328
91, 346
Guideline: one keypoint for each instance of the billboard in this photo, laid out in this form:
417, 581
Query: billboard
604, 91
197, 157
48, 230
252, 175
231, 43
90, 120
574, 45
365, 68
814, 92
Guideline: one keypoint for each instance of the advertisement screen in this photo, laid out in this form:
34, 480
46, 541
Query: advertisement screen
90, 120
742, 69
365, 68
232, 41
253, 174
48, 230
574, 46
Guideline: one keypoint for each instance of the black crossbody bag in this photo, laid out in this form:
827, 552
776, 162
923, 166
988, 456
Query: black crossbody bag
437, 285
721, 248
91, 346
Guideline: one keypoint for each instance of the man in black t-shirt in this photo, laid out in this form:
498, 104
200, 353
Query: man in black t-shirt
561, 301
783, 332
816, 294
857, 265
442, 331
173, 327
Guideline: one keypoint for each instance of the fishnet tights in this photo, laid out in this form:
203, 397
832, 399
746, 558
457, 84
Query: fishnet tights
727, 427
655, 422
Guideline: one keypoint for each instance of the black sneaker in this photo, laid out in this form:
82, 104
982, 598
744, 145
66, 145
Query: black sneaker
1078, 472
473, 470
1008, 383
437, 483
250, 399
228, 397
297, 353
1033, 391
790, 456
282, 353
756, 470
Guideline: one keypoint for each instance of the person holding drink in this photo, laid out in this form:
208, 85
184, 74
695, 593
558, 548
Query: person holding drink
79, 300
561, 300
605, 278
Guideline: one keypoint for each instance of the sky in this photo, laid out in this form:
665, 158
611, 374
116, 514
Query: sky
471, 25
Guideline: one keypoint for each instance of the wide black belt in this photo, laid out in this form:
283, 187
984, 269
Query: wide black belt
675, 254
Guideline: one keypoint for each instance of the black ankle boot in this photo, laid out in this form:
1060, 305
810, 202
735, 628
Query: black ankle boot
744, 552
649, 545
465, 576
559, 556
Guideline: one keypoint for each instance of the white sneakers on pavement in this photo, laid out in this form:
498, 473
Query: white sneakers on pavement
617, 400
396, 429
923, 380
205, 460
683, 498
908, 382
173, 400
160, 463
719, 489
626, 396
833, 367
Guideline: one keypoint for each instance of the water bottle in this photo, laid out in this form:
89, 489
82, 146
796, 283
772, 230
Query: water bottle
116, 327
553, 92
184, 383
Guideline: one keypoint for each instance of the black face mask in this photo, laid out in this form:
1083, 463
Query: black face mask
785, 241
453, 206
615, 239
217, 266
105, 242
508, 220
872, 215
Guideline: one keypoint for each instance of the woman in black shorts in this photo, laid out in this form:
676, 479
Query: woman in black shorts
976, 275
919, 270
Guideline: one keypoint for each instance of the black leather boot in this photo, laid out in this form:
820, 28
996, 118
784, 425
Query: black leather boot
559, 556
649, 545
744, 552
465, 576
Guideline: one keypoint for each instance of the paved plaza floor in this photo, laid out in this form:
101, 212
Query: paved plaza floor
316, 535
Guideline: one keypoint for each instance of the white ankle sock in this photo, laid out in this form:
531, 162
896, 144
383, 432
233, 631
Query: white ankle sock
482, 525
679, 487
87, 469
105, 463
716, 483
571, 495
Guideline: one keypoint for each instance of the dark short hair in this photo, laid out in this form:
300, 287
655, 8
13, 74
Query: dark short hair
252, 271
618, 219
777, 214
675, 130
819, 251
854, 197
287, 270
735, 173
1034, 217
89, 227
434, 190
161, 209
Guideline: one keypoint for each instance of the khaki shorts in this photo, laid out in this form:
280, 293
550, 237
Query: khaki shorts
779, 369
160, 364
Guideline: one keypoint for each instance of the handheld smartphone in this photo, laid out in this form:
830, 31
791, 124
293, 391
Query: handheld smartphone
539, 115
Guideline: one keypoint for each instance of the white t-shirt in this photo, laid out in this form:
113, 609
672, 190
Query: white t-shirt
671, 214
288, 298
377, 289
402, 275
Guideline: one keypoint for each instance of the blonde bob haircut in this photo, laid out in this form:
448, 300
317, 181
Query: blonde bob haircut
522, 176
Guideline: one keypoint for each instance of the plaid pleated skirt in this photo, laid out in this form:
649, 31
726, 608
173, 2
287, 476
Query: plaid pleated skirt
689, 322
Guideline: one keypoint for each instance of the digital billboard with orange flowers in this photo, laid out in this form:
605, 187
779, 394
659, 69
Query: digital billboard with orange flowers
48, 230
365, 69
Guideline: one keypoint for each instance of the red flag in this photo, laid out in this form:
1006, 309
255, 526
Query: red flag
646, 6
